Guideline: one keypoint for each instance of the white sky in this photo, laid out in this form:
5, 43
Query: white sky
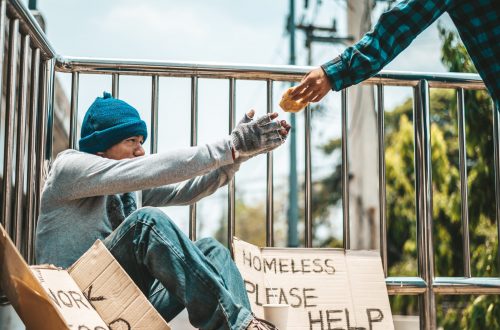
218, 31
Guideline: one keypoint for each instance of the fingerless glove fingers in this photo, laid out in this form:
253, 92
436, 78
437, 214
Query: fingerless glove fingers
252, 137
271, 126
262, 120
245, 119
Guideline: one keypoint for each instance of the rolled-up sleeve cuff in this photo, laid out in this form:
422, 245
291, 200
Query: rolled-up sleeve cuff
334, 71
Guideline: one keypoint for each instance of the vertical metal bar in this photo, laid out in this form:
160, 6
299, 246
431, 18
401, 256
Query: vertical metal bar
231, 209
32, 124
9, 124
194, 142
269, 178
20, 226
44, 135
496, 144
463, 180
381, 176
423, 186
115, 85
308, 191
155, 93
293, 187
73, 124
3, 23
49, 104
345, 171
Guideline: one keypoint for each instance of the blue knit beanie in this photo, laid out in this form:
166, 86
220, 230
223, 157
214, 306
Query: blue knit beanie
107, 122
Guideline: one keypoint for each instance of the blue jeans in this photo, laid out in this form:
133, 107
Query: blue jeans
175, 273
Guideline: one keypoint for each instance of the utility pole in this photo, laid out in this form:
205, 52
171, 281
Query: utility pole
293, 208
322, 34
32, 6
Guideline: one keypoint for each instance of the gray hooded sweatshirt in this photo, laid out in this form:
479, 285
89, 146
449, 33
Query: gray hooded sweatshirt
75, 203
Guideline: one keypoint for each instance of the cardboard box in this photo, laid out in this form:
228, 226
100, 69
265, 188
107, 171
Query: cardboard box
326, 288
45, 298
95, 294
117, 299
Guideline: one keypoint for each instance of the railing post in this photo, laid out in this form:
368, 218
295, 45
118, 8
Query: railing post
49, 104
345, 171
115, 85
423, 186
31, 194
194, 142
308, 190
231, 212
496, 144
463, 180
20, 225
381, 176
269, 178
45, 125
73, 124
3, 22
155, 94
9, 124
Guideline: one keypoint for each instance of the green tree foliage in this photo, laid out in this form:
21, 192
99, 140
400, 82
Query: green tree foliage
483, 311
249, 224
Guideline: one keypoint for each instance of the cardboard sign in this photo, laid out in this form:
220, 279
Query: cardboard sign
29, 296
95, 294
69, 299
117, 299
326, 289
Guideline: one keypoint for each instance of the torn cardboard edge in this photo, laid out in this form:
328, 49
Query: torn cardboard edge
326, 288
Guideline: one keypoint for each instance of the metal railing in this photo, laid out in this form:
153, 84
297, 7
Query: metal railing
26, 87
28, 93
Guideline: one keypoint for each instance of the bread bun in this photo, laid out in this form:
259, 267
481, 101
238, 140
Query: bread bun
289, 105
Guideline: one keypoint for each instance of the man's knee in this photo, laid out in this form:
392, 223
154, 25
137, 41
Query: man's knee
150, 211
209, 245
152, 216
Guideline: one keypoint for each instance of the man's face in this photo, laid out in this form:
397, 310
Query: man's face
128, 148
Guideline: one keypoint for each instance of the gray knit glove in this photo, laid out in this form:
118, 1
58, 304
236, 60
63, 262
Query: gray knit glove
252, 137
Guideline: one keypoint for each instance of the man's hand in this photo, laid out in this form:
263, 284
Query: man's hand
252, 137
313, 87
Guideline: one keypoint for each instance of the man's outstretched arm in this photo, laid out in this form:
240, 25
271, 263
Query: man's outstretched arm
394, 31
192, 190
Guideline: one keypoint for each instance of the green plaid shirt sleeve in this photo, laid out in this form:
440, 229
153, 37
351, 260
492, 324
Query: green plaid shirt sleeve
394, 31
477, 21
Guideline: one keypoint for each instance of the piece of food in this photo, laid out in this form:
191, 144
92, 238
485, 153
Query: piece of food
290, 105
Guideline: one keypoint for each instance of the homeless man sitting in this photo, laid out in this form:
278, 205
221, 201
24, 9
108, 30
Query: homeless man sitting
91, 194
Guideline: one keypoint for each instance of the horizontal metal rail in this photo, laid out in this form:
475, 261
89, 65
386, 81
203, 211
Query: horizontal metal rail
253, 72
466, 285
443, 285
